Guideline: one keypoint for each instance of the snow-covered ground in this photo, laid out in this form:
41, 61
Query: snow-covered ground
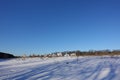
62, 68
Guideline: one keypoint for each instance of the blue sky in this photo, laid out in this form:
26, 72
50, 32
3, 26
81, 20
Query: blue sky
45, 26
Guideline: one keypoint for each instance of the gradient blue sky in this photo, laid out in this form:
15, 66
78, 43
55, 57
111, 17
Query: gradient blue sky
45, 26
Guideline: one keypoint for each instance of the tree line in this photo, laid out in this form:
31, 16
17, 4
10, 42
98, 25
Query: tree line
66, 53
6, 55
80, 53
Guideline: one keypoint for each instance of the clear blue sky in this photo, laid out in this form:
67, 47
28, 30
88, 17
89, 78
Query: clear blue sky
45, 26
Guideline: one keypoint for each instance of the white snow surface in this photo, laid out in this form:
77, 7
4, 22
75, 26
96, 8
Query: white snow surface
61, 68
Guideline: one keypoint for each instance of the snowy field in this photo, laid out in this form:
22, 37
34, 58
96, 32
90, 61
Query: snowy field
62, 68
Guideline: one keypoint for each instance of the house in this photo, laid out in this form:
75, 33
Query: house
66, 55
59, 54
73, 54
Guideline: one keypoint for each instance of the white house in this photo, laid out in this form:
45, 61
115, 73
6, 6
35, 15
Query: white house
59, 54
66, 55
73, 54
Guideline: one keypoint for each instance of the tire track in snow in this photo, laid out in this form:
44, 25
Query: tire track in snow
39, 72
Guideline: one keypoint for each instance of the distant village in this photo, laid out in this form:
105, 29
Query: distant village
65, 54
80, 53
